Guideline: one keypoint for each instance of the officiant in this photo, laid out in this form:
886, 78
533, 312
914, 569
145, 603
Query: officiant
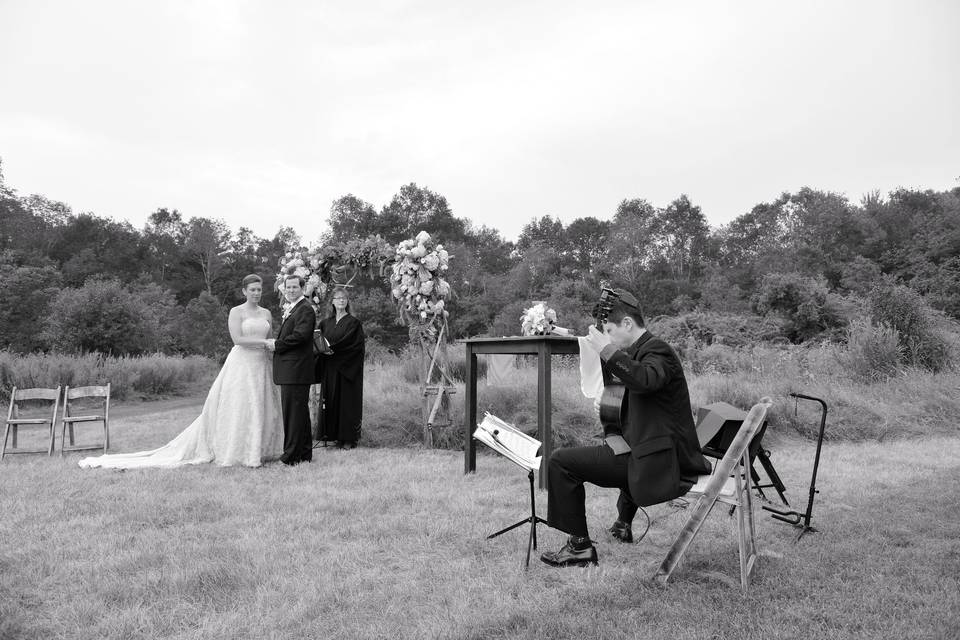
339, 368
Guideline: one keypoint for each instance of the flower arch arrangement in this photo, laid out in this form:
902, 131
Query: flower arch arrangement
417, 284
335, 264
420, 292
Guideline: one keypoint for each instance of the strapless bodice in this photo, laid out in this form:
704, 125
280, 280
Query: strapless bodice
255, 327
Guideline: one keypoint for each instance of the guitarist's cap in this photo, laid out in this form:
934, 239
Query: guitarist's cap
627, 298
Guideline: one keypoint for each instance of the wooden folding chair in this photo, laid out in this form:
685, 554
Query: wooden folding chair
15, 420
70, 417
730, 484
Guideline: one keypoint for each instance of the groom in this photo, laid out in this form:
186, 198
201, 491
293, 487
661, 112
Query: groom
293, 371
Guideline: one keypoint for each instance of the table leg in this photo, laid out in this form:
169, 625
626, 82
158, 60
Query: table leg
544, 409
470, 412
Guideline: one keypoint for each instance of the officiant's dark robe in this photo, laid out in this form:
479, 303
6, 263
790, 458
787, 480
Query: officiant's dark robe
340, 375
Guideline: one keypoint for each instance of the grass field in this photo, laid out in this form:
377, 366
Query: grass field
389, 543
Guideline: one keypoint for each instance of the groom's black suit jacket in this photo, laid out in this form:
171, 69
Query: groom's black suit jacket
293, 352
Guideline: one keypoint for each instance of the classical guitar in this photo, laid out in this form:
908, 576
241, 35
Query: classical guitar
613, 404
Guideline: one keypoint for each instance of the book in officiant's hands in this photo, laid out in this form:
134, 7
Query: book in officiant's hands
509, 442
320, 344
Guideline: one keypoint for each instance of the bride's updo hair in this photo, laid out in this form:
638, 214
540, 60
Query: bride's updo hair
250, 279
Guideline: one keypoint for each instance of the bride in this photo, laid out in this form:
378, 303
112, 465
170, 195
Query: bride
240, 423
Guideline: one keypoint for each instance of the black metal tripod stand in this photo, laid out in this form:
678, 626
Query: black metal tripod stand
801, 520
533, 519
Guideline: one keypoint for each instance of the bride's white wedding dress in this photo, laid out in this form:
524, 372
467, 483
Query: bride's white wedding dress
240, 424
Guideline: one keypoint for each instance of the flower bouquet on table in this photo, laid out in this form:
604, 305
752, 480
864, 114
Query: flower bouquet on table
417, 283
540, 320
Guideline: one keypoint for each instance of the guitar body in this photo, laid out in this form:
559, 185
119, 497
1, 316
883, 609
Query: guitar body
613, 409
613, 401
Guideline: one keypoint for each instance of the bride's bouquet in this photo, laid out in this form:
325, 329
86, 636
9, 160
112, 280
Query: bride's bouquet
417, 281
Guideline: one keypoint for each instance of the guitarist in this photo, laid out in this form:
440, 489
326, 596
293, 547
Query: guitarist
661, 458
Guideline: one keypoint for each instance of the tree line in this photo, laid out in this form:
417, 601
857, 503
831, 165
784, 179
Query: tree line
81, 282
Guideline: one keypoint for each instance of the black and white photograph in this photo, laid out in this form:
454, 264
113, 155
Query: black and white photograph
479, 321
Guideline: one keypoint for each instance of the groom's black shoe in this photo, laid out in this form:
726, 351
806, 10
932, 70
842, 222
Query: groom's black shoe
578, 552
622, 531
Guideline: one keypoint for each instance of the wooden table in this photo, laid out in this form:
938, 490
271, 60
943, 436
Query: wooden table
541, 346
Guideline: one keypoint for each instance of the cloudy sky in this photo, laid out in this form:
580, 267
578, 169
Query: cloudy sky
263, 112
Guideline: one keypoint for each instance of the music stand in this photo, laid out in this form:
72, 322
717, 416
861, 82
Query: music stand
717, 424
520, 449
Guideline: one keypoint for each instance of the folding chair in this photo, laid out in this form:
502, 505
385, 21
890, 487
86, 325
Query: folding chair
15, 421
70, 417
729, 484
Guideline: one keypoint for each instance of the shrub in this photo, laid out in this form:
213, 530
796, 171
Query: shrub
202, 328
718, 293
19, 322
872, 352
805, 302
923, 344
103, 316
507, 321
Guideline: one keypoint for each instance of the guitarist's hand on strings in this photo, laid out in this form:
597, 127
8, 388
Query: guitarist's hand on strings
596, 339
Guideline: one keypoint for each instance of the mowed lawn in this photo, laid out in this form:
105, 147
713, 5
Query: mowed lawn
391, 544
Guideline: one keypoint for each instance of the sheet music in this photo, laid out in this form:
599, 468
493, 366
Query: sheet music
509, 442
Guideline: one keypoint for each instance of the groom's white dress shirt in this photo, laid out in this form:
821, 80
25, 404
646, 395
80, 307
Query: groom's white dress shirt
291, 306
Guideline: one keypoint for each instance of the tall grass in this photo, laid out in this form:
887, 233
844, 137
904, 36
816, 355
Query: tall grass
873, 352
150, 375
908, 402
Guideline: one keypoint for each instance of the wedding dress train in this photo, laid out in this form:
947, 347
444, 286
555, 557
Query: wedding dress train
240, 423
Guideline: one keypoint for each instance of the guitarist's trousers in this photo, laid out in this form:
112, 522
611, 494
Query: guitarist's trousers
568, 470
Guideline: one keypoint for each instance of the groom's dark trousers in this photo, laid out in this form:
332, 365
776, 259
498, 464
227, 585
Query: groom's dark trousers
294, 372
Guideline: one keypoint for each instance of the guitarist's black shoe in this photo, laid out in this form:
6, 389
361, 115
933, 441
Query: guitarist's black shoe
622, 531
578, 552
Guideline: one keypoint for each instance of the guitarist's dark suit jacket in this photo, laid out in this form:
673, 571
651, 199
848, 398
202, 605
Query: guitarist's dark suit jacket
293, 371
664, 458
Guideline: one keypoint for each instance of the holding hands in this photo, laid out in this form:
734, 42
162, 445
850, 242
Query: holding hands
269, 344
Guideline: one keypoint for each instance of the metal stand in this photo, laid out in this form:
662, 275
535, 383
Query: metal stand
796, 518
533, 520
775, 482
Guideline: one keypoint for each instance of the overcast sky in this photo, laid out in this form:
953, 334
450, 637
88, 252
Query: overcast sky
262, 113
